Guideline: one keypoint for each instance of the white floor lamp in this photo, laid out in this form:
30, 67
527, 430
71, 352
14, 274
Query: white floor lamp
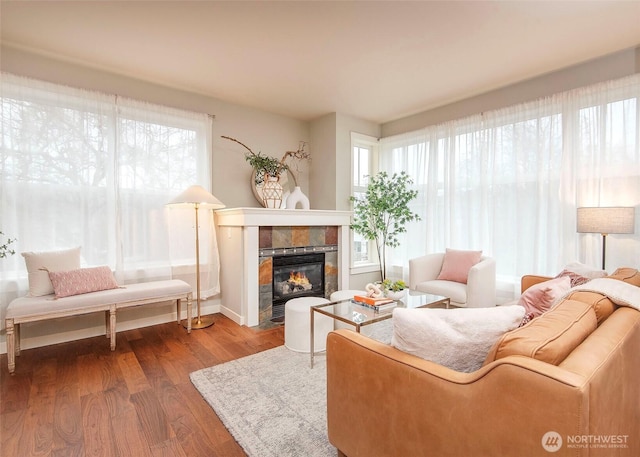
198, 197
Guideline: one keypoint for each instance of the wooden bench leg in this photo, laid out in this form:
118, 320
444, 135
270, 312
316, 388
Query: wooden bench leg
107, 323
11, 347
189, 311
112, 326
16, 328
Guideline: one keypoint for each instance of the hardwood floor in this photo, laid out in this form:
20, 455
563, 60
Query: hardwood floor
81, 399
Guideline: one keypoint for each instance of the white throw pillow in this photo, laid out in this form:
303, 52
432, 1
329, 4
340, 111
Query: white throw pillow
456, 338
585, 270
39, 283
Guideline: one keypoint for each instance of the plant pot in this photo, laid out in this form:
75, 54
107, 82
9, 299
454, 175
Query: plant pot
272, 192
397, 295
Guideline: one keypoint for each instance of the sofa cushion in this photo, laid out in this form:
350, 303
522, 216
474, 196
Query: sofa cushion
602, 306
538, 298
628, 275
82, 281
550, 337
39, 263
456, 338
456, 265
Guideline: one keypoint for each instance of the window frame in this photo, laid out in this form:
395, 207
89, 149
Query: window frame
359, 140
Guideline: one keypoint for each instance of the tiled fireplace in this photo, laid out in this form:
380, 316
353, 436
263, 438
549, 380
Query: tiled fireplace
307, 255
254, 242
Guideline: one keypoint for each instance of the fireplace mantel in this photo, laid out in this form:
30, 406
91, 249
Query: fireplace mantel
262, 217
239, 242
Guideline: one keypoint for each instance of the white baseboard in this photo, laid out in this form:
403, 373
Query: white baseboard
235, 317
56, 331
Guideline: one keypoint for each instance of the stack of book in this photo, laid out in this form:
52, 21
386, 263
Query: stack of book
377, 304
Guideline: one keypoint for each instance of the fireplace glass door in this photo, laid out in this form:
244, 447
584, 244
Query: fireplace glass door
296, 276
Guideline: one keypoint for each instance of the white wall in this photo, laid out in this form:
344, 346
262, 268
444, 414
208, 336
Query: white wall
322, 176
612, 66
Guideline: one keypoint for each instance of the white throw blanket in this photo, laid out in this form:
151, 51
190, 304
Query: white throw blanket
456, 338
619, 292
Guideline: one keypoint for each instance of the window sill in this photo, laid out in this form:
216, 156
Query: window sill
364, 268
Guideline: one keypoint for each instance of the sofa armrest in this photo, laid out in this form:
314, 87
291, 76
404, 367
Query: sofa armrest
425, 268
481, 284
384, 402
531, 280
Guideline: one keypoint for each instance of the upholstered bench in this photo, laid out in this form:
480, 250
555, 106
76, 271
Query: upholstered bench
33, 309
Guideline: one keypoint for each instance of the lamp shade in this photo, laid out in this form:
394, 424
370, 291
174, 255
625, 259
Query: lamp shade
606, 220
197, 195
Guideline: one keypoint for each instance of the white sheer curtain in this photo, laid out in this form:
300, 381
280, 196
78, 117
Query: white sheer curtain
509, 181
81, 168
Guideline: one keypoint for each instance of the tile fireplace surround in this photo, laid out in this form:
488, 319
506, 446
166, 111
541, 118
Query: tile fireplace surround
246, 238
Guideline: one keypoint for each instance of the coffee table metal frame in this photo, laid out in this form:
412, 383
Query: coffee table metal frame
359, 315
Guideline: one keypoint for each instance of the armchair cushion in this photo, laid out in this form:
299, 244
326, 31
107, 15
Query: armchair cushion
456, 265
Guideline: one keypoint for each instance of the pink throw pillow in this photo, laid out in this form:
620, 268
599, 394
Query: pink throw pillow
539, 298
576, 279
456, 265
82, 281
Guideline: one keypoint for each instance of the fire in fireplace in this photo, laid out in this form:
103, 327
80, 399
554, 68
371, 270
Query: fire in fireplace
300, 275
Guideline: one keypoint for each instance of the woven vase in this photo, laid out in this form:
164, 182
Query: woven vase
272, 192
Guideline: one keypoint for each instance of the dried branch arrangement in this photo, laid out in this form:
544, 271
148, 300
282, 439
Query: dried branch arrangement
266, 165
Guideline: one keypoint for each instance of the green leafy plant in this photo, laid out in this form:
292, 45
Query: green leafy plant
266, 165
383, 212
394, 286
5, 250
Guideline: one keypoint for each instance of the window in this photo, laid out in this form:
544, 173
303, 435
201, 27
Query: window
509, 181
80, 168
364, 163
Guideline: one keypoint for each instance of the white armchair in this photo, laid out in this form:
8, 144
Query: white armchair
478, 292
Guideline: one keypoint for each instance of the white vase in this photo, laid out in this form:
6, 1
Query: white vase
272, 192
295, 197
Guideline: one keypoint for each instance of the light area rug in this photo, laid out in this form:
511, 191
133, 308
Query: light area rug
272, 402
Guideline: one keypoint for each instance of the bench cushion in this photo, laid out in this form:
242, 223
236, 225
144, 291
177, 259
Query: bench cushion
25, 307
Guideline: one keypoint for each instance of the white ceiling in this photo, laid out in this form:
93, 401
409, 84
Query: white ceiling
379, 60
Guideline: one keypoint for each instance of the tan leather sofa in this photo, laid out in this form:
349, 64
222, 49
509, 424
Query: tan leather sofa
583, 401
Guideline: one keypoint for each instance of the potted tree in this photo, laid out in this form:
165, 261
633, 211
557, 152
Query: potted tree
381, 215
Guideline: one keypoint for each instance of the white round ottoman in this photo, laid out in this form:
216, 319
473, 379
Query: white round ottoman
297, 315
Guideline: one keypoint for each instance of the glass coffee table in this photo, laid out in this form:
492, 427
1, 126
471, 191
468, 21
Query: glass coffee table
352, 313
